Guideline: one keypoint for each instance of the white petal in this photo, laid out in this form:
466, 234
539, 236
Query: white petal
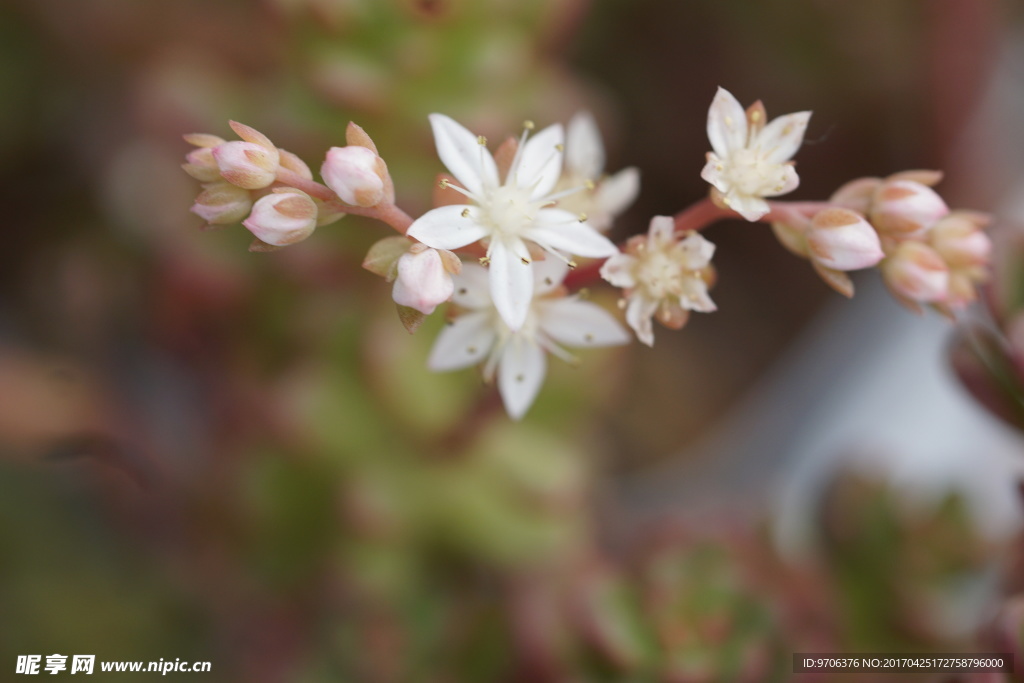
698, 251
727, 124
573, 322
468, 160
617, 192
781, 138
540, 161
750, 207
638, 316
446, 228
557, 229
520, 375
788, 181
548, 274
618, 270
472, 287
695, 297
584, 152
511, 285
661, 231
466, 341
714, 173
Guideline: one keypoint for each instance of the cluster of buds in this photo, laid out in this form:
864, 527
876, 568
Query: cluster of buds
926, 253
271, 191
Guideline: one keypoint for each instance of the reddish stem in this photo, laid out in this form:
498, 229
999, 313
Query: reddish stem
386, 213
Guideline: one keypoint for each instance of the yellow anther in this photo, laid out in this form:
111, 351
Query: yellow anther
525, 261
589, 184
572, 265
528, 124
481, 140
484, 261
583, 218
560, 147
465, 213
443, 184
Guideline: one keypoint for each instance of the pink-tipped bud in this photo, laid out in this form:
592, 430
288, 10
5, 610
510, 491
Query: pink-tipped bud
961, 241
423, 280
247, 164
856, 195
201, 165
353, 173
282, 218
222, 204
906, 208
842, 239
917, 272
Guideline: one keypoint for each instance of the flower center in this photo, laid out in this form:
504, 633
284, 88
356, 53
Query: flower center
750, 174
508, 210
660, 275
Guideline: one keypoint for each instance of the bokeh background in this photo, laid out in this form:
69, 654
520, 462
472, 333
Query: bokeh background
214, 455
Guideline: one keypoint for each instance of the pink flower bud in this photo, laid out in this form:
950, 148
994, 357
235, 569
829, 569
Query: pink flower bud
906, 208
423, 282
856, 195
282, 218
917, 272
247, 164
353, 173
960, 240
842, 239
201, 165
222, 204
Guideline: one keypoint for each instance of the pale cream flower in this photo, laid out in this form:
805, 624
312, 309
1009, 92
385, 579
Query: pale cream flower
750, 160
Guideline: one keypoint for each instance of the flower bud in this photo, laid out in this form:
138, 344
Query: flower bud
201, 165
423, 282
906, 208
856, 195
917, 272
247, 164
352, 172
282, 218
222, 204
960, 240
842, 239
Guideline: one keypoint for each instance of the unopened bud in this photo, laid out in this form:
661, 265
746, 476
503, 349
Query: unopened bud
906, 208
247, 164
423, 281
201, 165
842, 239
917, 272
353, 173
222, 204
282, 218
960, 239
856, 195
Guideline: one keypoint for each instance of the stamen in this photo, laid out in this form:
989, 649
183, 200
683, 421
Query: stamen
528, 124
589, 184
525, 261
560, 147
485, 260
583, 218
465, 213
481, 140
622, 303
572, 265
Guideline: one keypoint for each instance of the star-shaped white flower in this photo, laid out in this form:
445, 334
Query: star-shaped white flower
750, 160
605, 197
664, 274
509, 214
518, 357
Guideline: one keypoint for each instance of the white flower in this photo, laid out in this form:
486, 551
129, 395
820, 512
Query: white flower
509, 214
518, 357
750, 160
605, 197
664, 274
